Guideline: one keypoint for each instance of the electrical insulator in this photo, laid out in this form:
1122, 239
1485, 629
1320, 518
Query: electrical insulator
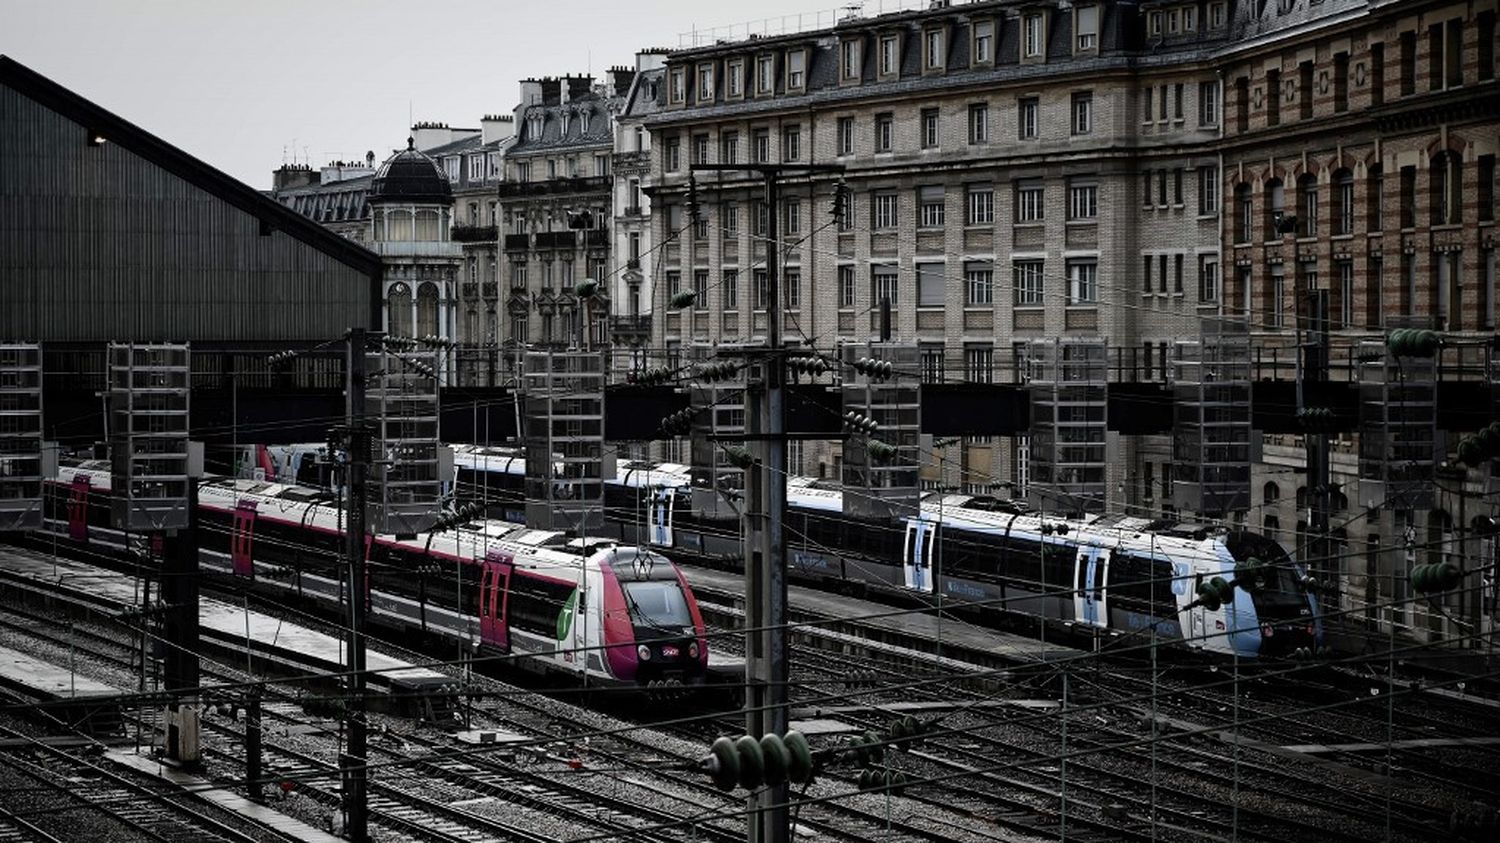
812, 366
686, 298
877, 370
739, 457
882, 451
586, 289
650, 377
1252, 574
859, 422
679, 423
1413, 342
400, 343
1215, 593
1480, 448
1443, 576
1317, 419
721, 371
750, 763
280, 358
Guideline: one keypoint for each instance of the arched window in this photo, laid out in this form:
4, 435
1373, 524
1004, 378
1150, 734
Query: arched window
1271, 493
1343, 202
1307, 205
398, 310
427, 310
1275, 206
427, 227
1374, 198
1301, 498
1244, 210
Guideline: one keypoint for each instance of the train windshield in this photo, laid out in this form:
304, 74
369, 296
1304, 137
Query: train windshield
658, 603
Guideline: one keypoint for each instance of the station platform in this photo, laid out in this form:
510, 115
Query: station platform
45, 680
225, 626
277, 822
839, 622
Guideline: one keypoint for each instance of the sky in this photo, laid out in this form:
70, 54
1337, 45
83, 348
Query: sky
247, 85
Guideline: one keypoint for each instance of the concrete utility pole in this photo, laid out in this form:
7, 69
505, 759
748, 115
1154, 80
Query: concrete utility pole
352, 762
1315, 356
766, 661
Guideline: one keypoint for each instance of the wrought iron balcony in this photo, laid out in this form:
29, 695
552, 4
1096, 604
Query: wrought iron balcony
474, 233
623, 326
554, 187
596, 237
520, 242
556, 240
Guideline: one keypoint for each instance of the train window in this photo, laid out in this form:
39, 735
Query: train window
1142, 584
535, 603
658, 603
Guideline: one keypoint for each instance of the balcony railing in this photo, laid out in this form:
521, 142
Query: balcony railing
552, 187
596, 237
474, 233
520, 242
627, 161
556, 240
621, 325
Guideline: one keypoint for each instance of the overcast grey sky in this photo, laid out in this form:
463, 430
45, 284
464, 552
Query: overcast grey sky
236, 83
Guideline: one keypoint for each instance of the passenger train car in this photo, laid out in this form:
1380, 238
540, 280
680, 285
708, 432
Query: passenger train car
606, 613
1095, 575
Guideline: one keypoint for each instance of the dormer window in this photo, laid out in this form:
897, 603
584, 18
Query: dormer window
537, 124
1155, 25
796, 70
1172, 21
890, 55
734, 79
676, 87
583, 121
983, 51
1218, 12
1086, 25
705, 83
1033, 36
567, 118
932, 50
849, 61
765, 75
1189, 18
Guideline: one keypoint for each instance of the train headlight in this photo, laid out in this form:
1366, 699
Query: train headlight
693, 650
644, 652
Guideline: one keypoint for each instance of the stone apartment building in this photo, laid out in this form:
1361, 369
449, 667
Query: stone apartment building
555, 204
1002, 189
632, 285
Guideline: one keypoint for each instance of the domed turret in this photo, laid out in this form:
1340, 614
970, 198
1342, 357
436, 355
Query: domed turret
409, 176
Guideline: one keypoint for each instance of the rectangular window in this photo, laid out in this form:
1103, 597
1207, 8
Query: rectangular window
762, 289
1086, 27
1161, 103
705, 83
1344, 270
1208, 279
765, 75
1208, 190
1083, 113
1083, 281
1177, 187
883, 286
849, 61
846, 135
1177, 278
700, 226
1028, 283
1161, 187
677, 86
932, 363
1305, 90
700, 287
1273, 97
700, 149
729, 148
845, 215
983, 51
796, 64
979, 283
791, 288
979, 205
846, 287
1408, 63
929, 128
884, 132
883, 208
729, 220
1208, 103
1026, 117
760, 224
729, 288
1147, 108
674, 283
734, 79
1486, 186
1242, 103
1177, 97
1341, 82
1029, 200
672, 155
1147, 263
1161, 273
1486, 24
1373, 286
791, 143
889, 55
1033, 30
1083, 200
930, 202
1218, 14
1375, 199
791, 217
932, 49
979, 363
979, 123
1343, 203
930, 292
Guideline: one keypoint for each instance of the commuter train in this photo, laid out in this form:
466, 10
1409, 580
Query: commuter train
1094, 575
604, 612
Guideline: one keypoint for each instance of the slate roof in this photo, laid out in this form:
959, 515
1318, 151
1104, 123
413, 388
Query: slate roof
552, 138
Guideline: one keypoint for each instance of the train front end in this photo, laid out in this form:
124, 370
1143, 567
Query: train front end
653, 630
1286, 609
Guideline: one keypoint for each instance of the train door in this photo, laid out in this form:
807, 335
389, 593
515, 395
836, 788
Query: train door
78, 509
494, 588
242, 538
1198, 618
916, 558
1088, 586
660, 514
